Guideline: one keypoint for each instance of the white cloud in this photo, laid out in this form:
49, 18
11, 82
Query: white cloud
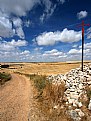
17, 7
11, 51
82, 14
89, 33
7, 29
27, 23
87, 51
75, 54
53, 52
15, 55
49, 10
20, 32
38, 49
5, 26
25, 52
75, 46
0, 38
89, 36
4, 20
71, 55
50, 38
54, 55
61, 1
11, 45
18, 43
74, 51
87, 45
20, 8
17, 22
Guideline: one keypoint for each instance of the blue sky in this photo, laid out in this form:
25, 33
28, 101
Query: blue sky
44, 30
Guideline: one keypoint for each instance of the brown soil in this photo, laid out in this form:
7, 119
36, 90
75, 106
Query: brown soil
14, 99
17, 102
42, 68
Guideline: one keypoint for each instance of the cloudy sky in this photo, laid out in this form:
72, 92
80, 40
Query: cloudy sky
44, 30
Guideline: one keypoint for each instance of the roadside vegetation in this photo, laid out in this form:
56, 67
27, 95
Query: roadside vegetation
39, 83
88, 89
4, 77
50, 100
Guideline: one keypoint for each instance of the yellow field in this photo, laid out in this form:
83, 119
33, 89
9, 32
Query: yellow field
42, 68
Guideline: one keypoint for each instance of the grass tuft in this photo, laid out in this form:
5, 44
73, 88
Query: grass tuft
4, 77
89, 93
39, 83
49, 96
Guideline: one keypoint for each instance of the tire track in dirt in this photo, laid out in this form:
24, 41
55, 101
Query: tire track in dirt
14, 99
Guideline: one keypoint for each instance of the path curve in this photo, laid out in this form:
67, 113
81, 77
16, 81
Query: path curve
14, 99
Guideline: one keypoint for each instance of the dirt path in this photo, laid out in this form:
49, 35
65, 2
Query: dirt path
14, 99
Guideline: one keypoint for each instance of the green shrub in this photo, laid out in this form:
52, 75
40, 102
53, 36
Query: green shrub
4, 77
89, 93
39, 82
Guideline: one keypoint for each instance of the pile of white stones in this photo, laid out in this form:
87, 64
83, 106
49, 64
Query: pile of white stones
75, 82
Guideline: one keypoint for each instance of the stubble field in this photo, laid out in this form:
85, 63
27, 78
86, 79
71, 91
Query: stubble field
33, 98
42, 68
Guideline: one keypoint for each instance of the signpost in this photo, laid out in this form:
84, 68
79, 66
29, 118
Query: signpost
82, 25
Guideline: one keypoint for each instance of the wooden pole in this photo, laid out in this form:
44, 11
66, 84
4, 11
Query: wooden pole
82, 46
82, 25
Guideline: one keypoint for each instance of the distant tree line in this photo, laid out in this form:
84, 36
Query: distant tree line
4, 66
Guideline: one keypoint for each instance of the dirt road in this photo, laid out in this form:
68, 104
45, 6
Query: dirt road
14, 99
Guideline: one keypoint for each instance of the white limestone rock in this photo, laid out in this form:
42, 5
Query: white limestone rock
71, 101
74, 115
89, 78
72, 96
79, 104
81, 114
89, 72
89, 106
80, 86
89, 83
56, 107
72, 90
74, 104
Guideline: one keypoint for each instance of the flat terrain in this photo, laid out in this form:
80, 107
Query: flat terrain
16, 96
42, 68
14, 99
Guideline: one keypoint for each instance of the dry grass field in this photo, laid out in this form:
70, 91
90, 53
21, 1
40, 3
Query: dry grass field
34, 95
42, 68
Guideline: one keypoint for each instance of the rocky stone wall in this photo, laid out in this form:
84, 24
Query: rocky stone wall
76, 82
